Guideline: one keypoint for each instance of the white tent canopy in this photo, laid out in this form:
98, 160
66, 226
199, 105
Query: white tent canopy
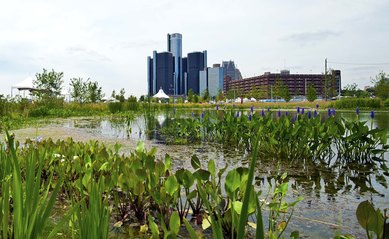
161, 95
26, 84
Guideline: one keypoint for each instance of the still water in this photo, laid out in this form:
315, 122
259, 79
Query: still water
331, 192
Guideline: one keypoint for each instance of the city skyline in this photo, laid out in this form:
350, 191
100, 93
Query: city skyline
109, 42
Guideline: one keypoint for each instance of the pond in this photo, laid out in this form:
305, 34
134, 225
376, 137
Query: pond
331, 191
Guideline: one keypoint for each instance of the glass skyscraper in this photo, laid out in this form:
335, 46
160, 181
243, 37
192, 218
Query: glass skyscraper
174, 45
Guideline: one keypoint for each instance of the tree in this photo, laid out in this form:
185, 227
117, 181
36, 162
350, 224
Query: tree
311, 93
49, 83
381, 85
94, 92
78, 90
121, 97
329, 90
206, 95
219, 96
195, 98
281, 90
190, 95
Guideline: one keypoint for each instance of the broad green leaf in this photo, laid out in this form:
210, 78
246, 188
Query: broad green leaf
212, 167
195, 162
171, 185
153, 227
174, 222
202, 174
366, 215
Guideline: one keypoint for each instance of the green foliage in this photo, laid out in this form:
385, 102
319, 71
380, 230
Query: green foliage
372, 220
351, 90
311, 93
280, 89
190, 95
48, 83
381, 85
206, 96
352, 103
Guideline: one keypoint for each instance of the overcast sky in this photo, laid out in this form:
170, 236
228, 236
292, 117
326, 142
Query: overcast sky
109, 41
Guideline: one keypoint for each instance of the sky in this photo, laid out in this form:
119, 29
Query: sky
109, 41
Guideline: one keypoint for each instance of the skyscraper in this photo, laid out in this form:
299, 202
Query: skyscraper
160, 71
197, 61
174, 45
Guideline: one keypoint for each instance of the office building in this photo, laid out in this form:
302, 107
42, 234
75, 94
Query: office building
231, 70
215, 79
174, 73
160, 73
174, 45
196, 62
296, 83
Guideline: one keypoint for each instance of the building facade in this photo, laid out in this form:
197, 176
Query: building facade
231, 71
296, 83
196, 62
174, 46
160, 73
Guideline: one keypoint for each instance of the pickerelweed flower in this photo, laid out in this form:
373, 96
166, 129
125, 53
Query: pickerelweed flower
372, 114
329, 112
309, 114
357, 110
317, 106
268, 109
263, 113
333, 112
298, 110
294, 118
315, 113
250, 117
279, 113
252, 109
217, 107
202, 115
302, 111
286, 113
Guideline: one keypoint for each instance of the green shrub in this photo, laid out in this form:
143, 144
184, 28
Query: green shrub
386, 103
115, 107
352, 103
39, 111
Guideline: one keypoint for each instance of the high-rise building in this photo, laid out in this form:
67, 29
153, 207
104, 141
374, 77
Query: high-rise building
215, 79
174, 45
196, 62
160, 73
174, 73
231, 70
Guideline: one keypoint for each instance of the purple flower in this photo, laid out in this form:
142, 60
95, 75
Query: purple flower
309, 114
333, 112
317, 106
250, 117
263, 113
302, 111
315, 113
372, 114
202, 115
268, 109
38, 139
279, 113
298, 110
294, 118
357, 110
329, 112
237, 114
252, 109
217, 107
286, 113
